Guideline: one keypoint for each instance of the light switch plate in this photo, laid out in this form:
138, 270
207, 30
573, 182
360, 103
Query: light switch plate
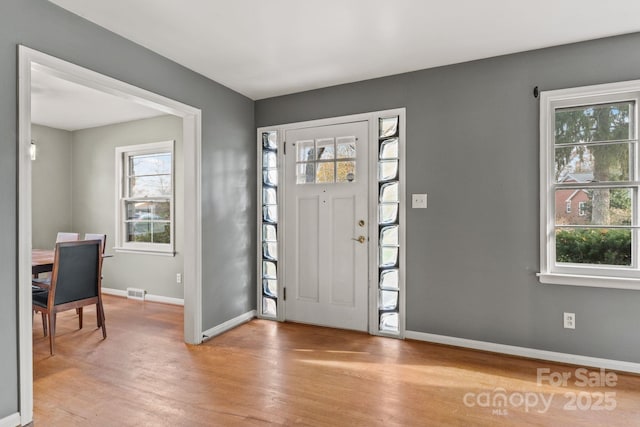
419, 201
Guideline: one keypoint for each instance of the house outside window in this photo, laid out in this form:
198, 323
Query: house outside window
590, 161
145, 194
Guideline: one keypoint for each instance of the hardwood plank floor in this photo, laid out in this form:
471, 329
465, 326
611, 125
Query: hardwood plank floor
268, 373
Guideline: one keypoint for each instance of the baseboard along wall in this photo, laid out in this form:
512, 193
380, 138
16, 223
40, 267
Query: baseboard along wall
531, 353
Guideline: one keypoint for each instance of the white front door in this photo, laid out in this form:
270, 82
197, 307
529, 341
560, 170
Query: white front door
326, 223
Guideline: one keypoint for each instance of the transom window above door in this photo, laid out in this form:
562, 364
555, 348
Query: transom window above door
326, 160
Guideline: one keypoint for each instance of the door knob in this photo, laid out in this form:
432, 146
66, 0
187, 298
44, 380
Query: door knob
360, 239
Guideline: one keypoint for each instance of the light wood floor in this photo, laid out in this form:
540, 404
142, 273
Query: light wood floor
265, 373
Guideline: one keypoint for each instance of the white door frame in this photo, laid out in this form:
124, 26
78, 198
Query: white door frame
372, 119
192, 137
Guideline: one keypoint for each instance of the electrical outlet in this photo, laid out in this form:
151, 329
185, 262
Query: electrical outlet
178, 278
569, 320
419, 201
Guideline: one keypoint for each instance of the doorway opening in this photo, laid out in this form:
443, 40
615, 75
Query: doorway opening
32, 61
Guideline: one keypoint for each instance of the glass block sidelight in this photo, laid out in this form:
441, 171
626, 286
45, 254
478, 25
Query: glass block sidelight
388, 225
269, 201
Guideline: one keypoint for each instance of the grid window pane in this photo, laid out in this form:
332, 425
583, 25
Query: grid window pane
604, 122
389, 236
325, 173
270, 251
388, 300
346, 171
270, 213
270, 177
269, 270
150, 164
389, 149
388, 257
387, 170
388, 127
269, 196
306, 151
148, 210
388, 213
325, 149
305, 173
269, 233
150, 186
346, 147
270, 287
269, 159
270, 140
268, 307
389, 279
150, 232
594, 246
389, 192
594, 206
389, 322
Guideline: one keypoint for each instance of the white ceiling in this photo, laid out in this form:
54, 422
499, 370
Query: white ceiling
267, 48
62, 104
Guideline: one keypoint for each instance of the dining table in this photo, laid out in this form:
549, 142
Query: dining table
41, 261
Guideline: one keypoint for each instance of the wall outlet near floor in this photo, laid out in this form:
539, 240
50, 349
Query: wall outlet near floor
569, 320
178, 278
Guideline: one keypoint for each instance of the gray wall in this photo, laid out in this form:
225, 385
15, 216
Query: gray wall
74, 190
94, 204
228, 144
51, 185
472, 145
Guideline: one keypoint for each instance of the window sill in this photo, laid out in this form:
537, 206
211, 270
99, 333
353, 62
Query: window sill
610, 282
144, 252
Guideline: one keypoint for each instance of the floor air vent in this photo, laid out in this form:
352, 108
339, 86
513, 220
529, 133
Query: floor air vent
133, 293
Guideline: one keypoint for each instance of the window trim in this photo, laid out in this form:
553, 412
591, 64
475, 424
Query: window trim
582, 208
122, 153
580, 275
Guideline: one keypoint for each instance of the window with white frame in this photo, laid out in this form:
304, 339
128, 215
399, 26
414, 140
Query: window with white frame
582, 208
591, 134
144, 213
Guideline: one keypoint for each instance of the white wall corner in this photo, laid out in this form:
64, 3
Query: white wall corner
531, 353
229, 324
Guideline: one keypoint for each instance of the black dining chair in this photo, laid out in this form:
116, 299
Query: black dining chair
75, 282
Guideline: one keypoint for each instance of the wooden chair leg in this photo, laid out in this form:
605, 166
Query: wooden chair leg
52, 331
101, 318
44, 323
79, 311
98, 315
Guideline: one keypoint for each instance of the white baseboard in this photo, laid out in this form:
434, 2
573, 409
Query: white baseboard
116, 292
552, 356
12, 420
147, 297
164, 300
229, 324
